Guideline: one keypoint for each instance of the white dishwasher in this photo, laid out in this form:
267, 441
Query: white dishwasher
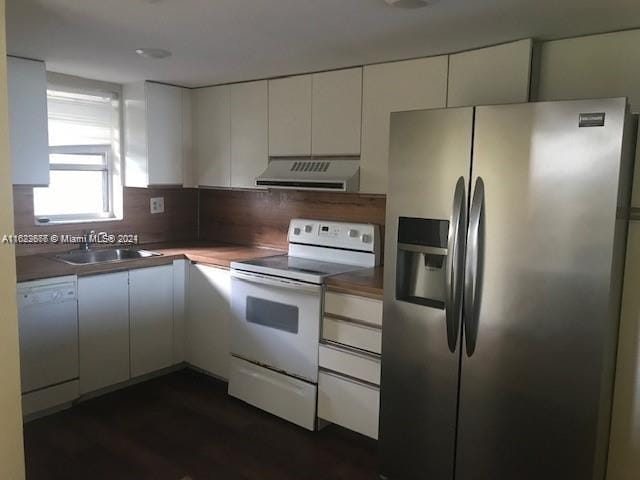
48, 321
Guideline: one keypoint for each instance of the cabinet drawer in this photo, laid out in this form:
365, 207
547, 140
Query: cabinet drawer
348, 403
354, 365
352, 334
279, 394
351, 306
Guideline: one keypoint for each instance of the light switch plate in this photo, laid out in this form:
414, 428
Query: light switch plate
157, 205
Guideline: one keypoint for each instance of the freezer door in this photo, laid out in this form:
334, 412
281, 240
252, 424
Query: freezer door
429, 165
541, 294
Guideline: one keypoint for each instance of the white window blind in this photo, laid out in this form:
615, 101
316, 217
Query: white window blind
81, 119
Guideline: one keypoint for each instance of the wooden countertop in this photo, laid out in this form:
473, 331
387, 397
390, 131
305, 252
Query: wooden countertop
35, 267
366, 283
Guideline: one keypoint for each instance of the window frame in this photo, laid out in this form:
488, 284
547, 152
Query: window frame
107, 181
113, 153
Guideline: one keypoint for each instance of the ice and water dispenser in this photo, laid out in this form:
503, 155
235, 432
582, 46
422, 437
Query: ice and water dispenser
421, 261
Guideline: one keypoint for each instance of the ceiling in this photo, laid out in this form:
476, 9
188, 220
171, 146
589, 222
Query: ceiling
219, 41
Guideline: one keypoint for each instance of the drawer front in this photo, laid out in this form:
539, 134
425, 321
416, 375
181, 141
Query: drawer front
351, 306
352, 334
281, 395
352, 364
350, 404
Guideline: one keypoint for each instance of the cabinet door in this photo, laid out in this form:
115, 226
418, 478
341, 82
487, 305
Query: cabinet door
208, 319
180, 289
212, 136
189, 179
249, 137
28, 127
164, 134
492, 75
290, 116
103, 316
395, 87
151, 319
337, 112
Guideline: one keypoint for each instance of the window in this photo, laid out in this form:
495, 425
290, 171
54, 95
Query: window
83, 157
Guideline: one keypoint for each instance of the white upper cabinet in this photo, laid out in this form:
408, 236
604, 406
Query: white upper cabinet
290, 116
28, 127
490, 76
391, 87
154, 143
212, 136
164, 134
249, 132
336, 117
189, 173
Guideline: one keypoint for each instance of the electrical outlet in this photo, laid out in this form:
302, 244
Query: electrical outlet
157, 205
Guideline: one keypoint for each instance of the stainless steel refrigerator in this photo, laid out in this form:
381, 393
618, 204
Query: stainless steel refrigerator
504, 254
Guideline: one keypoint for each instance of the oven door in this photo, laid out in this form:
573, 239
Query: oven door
276, 323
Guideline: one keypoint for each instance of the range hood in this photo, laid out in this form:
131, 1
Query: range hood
334, 174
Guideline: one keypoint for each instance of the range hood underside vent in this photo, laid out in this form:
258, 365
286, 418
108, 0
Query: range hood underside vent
338, 175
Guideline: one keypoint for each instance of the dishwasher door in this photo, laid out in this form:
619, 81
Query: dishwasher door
48, 321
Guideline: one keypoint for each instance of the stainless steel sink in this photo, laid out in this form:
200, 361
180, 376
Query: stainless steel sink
87, 257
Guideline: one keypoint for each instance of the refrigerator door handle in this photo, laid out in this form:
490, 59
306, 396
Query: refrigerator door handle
455, 264
473, 267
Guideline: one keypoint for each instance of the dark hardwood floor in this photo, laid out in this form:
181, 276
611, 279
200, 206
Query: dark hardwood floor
184, 425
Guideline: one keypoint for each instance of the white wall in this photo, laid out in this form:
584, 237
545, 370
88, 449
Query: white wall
609, 66
11, 449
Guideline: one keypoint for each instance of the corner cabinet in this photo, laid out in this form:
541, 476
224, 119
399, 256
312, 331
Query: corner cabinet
336, 112
249, 106
212, 136
103, 318
155, 148
207, 328
28, 124
394, 87
151, 319
492, 75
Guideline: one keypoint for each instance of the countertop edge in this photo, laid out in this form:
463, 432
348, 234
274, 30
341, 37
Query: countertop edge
42, 266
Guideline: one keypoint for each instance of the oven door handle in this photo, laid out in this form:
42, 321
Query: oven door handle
299, 287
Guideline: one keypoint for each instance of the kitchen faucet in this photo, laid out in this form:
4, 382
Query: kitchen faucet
85, 246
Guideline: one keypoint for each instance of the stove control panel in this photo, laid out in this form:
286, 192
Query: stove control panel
351, 236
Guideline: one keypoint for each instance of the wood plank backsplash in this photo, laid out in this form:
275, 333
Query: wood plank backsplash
179, 222
261, 217
245, 217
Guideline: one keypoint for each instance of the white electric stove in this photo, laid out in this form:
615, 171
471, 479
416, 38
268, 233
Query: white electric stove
277, 311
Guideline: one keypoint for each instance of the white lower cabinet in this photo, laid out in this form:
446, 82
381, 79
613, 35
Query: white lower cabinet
180, 289
348, 402
207, 328
151, 319
103, 317
349, 360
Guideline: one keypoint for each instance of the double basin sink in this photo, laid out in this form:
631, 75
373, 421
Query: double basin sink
90, 257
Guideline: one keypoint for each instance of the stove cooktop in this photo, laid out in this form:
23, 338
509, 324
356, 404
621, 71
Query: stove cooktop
295, 268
